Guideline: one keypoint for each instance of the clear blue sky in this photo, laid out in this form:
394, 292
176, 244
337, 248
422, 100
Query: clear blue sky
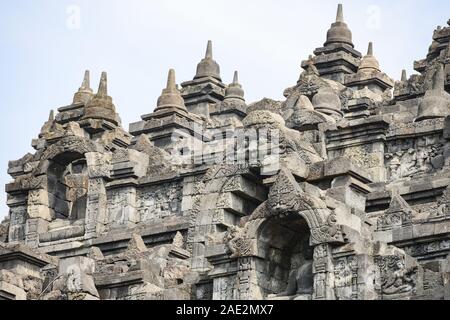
44, 50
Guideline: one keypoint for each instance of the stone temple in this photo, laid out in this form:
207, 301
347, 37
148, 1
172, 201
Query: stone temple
339, 192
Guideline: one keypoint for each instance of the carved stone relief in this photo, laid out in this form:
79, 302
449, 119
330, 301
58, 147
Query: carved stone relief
410, 158
398, 214
18, 217
346, 277
159, 201
395, 278
122, 206
441, 246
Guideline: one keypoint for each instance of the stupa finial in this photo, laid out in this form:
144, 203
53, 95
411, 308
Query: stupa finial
369, 63
103, 86
209, 52
370, 49
234, 90
101, 105
84, 93
340, 13
236, 78
170, 96
208, 67
171, 84
86, 84
339, 33
404, 76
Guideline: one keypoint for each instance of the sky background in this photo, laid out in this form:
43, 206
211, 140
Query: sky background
45, 46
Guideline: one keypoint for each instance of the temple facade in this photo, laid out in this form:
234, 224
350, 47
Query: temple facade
338, 192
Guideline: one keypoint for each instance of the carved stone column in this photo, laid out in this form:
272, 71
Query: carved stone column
354, 277
33, 228
18, 217
247, 287
99, 166
96, 213
323, 271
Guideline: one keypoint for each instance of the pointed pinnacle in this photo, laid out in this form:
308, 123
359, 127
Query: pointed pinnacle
404, 76
51, 116
208, 54
340, 13
86, 80
103, 87
236, 78
171, 84
170, 96
370, 49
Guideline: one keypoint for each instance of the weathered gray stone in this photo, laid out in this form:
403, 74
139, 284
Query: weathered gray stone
339, 192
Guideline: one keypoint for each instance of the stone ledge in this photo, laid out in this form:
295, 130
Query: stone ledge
11, 292
118, 280
23, 253
337, 167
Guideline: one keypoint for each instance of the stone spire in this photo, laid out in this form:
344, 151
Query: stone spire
234, 90
208, 54
339, 31
171, 96
103, 86
369, 76
85, 92
370, 49
436, 103
208, 67
101, 105
369, 64
404, 76
48, 125
340, 13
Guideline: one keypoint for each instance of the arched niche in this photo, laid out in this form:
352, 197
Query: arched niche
67, 184
285, 267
